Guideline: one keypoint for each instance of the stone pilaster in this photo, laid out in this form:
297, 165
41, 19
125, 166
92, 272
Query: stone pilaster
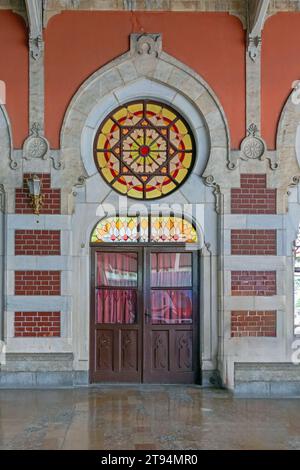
36, 82
253, 86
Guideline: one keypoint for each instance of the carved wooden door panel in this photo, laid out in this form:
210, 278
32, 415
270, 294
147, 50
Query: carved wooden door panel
116, 323
171, 320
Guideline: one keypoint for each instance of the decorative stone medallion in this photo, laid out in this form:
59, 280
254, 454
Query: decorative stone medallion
252, 147
35, 146
146, 44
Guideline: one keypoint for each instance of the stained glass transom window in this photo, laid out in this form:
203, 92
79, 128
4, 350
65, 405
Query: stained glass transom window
144, 229
144, 150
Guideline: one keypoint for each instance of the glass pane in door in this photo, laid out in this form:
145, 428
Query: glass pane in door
171, 288
116, 269
116, 306
171, 269
116, 289
171, 306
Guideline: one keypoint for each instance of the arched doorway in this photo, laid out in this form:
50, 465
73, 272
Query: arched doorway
144, 300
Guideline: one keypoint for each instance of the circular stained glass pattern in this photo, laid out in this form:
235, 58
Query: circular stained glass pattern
144, 150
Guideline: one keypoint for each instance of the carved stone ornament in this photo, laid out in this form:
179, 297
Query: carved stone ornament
294, 181
36, 46
254, 45
35, 146
252, 147
210, 181
146, 44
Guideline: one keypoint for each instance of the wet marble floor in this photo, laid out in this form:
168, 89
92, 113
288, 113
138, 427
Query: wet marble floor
145, 417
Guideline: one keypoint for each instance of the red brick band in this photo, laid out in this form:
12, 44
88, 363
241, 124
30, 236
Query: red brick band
253, 197
36, 324
37, 282
253, 323
253, 242
37, 242
253, 283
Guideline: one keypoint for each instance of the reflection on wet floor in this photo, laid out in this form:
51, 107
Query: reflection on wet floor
145, 417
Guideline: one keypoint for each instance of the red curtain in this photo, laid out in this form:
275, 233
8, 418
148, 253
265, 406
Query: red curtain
171, 306
169, 270
118, 303
119, 272
117, 269
116, 306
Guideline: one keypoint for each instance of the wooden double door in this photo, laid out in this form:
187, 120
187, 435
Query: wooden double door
144, 315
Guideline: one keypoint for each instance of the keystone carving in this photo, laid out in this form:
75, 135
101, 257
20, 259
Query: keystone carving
146, 44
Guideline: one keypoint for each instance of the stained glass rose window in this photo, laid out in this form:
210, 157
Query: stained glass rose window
144, 150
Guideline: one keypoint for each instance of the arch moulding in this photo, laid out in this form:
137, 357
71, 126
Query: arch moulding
143, 72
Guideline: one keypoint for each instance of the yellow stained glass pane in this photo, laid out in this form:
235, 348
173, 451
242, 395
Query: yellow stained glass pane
107, 126
107, 174
179, 175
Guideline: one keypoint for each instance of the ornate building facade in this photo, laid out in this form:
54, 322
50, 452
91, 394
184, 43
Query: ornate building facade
149, 185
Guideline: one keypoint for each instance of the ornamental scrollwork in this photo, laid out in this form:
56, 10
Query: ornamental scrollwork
210, 181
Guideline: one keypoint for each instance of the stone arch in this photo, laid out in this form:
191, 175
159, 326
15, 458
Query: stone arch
144, 70
288, 157
6, 146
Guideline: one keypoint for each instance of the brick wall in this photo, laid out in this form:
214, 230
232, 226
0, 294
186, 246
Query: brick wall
37, 242
37, 282
253, 323
253, 197
51, 201
253, 242
36, 324
253, 283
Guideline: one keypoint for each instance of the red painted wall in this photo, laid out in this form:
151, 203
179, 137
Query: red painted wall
79, 43
14, 72
280, 67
